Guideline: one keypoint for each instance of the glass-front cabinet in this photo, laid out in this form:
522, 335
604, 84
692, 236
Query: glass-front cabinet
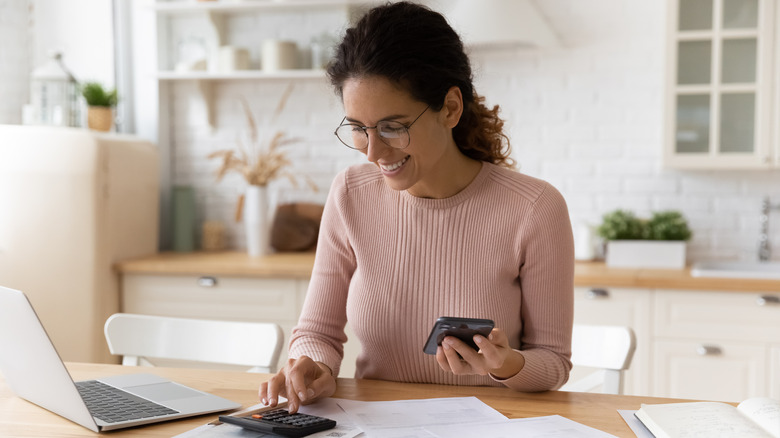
720, 74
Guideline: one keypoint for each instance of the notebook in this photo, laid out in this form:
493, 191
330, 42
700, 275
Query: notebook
34, 371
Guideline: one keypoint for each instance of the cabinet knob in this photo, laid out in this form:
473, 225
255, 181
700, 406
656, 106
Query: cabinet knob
766, 300
596, 293
207, 281
709, 350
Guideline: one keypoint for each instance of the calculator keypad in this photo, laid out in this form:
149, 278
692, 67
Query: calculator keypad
281, 422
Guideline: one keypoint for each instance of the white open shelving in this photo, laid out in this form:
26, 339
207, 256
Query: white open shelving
241, 75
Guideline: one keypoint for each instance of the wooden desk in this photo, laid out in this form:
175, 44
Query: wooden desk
19, 418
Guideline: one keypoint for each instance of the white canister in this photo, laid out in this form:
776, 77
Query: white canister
233, 58
584, 241
279, 55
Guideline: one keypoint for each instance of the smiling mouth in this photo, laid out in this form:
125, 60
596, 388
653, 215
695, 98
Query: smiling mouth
394, 166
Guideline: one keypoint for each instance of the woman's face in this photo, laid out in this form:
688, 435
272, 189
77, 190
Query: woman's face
422, 165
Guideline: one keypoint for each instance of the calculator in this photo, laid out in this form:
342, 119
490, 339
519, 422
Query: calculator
282, 422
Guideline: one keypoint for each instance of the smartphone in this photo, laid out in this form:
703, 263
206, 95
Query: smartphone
462, 328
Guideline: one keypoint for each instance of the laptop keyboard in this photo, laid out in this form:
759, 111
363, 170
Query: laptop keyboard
113, 405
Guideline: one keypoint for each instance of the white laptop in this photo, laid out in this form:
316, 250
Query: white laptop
34, 371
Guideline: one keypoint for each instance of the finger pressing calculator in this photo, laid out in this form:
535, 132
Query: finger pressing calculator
282, 422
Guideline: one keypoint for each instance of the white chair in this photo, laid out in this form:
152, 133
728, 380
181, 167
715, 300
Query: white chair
159, 340
608, 348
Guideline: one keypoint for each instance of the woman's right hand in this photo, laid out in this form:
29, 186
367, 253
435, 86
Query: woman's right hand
301, 381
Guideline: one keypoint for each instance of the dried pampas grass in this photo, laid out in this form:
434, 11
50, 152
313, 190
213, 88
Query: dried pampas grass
257, 164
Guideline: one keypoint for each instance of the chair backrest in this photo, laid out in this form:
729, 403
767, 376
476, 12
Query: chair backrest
145, 339
608, 348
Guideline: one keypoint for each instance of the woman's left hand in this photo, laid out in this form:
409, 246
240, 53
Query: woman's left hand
494, 357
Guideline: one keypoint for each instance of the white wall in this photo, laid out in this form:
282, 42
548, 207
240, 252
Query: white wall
15, 59
81, 30
30, 30
586, 117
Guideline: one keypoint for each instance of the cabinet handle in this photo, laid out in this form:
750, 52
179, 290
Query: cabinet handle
207, 281
596, 293
709, 350
766, 300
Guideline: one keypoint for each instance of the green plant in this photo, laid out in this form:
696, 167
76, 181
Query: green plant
667, 225
620, 225
663, 225
96, 95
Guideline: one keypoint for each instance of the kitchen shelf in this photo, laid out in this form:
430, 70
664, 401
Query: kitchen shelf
241, 75
205, 80
249, 5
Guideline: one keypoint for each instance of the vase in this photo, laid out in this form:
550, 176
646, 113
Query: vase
256, 221
100, 118
184, 211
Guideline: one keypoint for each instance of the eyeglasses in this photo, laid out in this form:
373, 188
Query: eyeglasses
394, 134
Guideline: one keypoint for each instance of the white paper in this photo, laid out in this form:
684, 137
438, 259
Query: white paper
636, 426
408, 418
764, 411
552, 426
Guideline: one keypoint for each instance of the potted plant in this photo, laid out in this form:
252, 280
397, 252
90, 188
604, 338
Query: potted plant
658, 242
100, 101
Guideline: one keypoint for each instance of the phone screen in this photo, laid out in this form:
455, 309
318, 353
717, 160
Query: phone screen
462, 328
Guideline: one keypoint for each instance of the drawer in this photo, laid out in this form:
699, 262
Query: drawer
231, 298
738, 316
709, 369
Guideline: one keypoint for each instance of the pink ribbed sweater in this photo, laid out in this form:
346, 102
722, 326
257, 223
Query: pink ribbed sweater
392, 263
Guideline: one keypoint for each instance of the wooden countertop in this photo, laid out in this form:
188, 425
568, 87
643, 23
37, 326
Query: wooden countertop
284, 265
299, 265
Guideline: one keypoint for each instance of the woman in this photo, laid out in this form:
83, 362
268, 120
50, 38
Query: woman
436, 224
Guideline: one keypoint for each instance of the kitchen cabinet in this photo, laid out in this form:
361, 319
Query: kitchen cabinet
277, 300
774, 371
709, 369
697, 337
624, 307
713, 345
225, 286
721, 67
700, 344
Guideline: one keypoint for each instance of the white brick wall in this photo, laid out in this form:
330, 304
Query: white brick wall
587, 117
14, 59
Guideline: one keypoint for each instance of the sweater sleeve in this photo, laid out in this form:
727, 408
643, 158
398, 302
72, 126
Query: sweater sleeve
319, 333
547, 284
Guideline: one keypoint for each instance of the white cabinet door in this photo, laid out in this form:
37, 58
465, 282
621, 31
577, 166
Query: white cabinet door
709, 370
713, 345
774, 371
626, 307
276, 300
719, 81
351, 351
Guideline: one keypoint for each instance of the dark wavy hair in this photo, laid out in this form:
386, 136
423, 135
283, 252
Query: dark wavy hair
415, 48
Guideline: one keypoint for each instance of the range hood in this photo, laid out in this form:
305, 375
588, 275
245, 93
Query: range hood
498, 23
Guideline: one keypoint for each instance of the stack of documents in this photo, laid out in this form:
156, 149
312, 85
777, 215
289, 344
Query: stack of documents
464, 417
